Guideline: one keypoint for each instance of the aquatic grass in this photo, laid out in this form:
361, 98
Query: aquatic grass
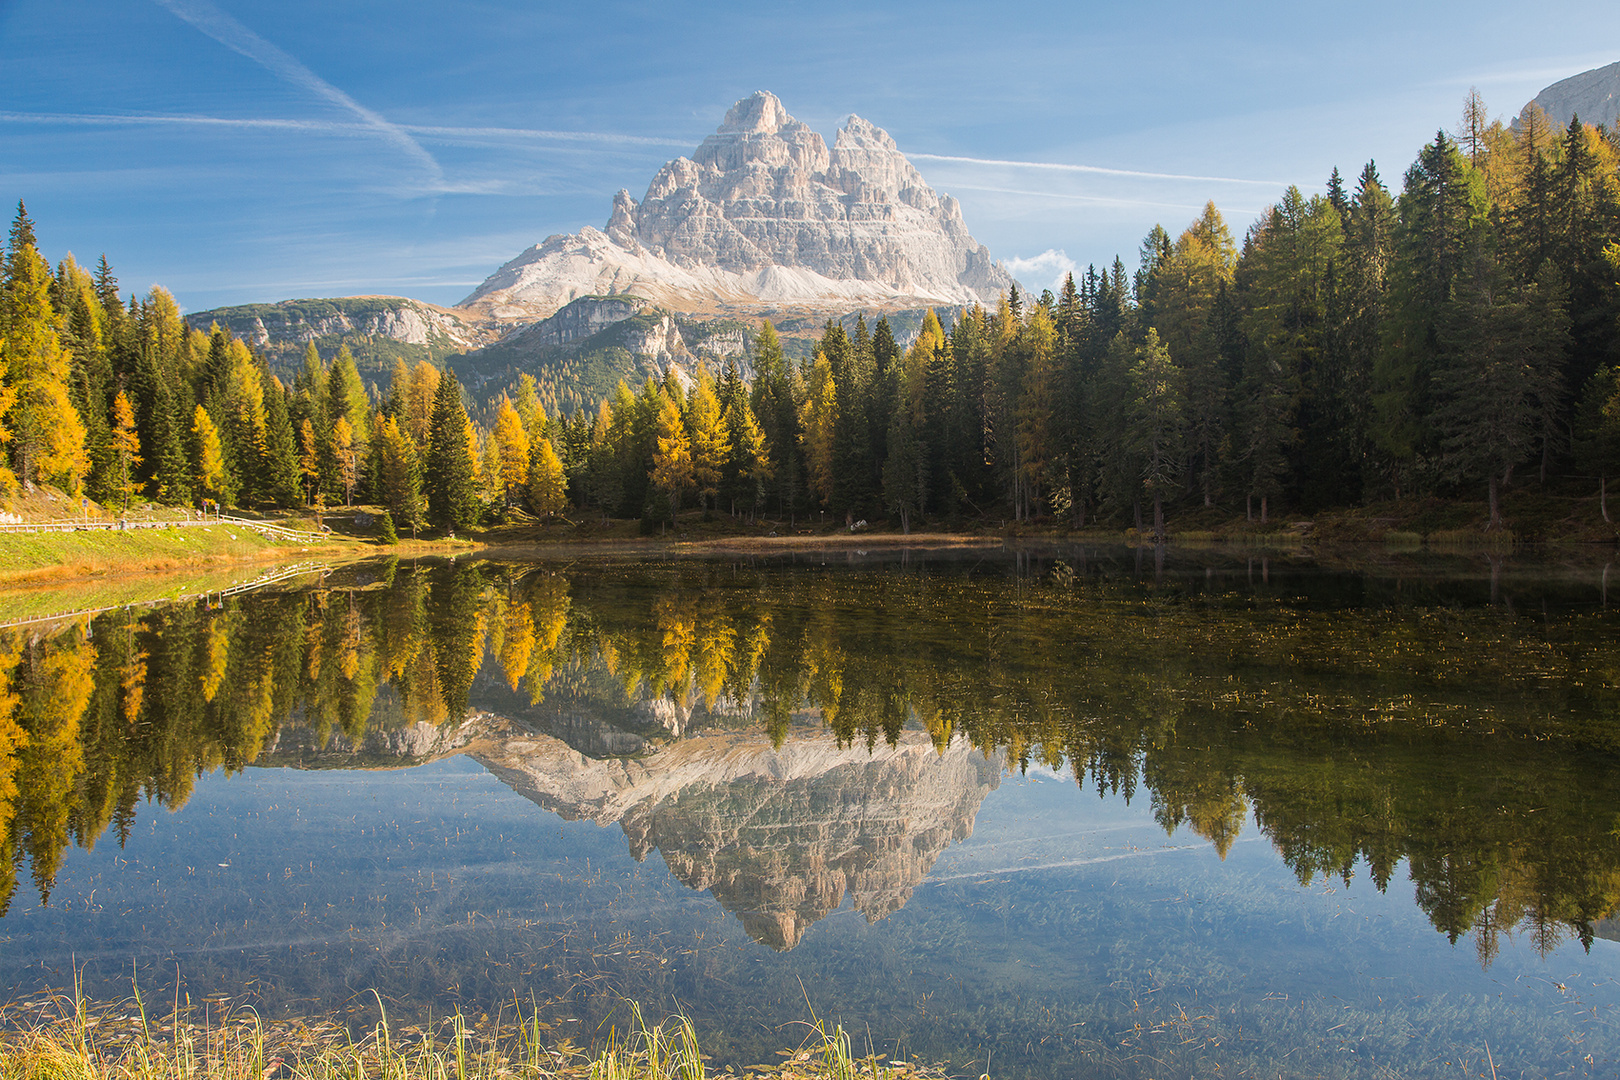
116, 1042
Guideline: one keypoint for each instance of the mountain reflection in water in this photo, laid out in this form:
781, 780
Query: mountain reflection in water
787, 736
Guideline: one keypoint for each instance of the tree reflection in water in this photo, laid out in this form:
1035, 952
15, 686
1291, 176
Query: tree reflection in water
1475, 743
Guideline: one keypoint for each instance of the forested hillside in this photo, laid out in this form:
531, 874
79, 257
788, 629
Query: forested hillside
1356, 345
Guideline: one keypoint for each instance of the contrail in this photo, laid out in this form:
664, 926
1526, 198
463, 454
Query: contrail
536, 133
1061, 167
129, 119
339, 127
207, 18
1100, 200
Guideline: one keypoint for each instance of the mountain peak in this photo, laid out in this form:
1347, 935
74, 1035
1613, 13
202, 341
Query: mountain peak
761, 111
764, 216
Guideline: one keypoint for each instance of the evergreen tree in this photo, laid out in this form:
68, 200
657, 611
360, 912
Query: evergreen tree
1597, 431
401, 477
1157, 421
281, 474
449, 476
1487, 408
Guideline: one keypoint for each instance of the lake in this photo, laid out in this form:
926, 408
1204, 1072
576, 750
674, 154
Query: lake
1058, 811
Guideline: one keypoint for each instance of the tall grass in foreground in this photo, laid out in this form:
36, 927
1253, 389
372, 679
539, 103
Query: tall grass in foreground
120, 1042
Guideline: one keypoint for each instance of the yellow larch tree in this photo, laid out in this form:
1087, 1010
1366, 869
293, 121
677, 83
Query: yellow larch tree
820, 420
672, 458
126, 445
548, 487
207, 458
512, 443
710, 446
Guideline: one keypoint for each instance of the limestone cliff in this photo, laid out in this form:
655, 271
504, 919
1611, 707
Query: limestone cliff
1593, 95
763, 215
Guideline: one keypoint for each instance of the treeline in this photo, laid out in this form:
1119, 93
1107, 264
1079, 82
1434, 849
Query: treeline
125, 401
1356, 346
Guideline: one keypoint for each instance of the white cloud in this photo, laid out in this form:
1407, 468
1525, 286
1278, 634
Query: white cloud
1043, 271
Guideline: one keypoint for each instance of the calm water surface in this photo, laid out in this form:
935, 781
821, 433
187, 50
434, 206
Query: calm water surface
1074, 812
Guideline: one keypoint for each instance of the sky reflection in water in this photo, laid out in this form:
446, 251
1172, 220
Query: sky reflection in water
1069, 934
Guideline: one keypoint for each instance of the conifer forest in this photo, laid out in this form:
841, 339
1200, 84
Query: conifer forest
1451, 338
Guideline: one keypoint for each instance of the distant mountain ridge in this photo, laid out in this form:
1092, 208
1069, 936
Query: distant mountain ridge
1593, 95
764, 216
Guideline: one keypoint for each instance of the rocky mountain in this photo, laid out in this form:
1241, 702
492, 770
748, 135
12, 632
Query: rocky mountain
780, 836
763, 220
763, 216
377, 329
1593, 95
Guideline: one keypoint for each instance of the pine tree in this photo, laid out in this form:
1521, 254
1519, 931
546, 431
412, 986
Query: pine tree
749, 458
281, 472
1597, 431
450, 477
1157, 417
1486, 410
401, 478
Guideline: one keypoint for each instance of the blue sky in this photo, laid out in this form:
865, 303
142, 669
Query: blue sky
250, 152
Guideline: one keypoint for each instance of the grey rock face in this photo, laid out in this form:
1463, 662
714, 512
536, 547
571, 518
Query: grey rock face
580, 319
763, 214
1593, 95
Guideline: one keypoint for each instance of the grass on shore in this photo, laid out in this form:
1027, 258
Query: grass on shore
49, 558
120, 1042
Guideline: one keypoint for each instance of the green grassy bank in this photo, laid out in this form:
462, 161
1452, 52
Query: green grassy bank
71, 557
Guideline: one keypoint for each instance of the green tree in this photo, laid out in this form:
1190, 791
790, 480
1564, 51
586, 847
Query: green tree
401, 474
1157, 412
1597, 431
450, 478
